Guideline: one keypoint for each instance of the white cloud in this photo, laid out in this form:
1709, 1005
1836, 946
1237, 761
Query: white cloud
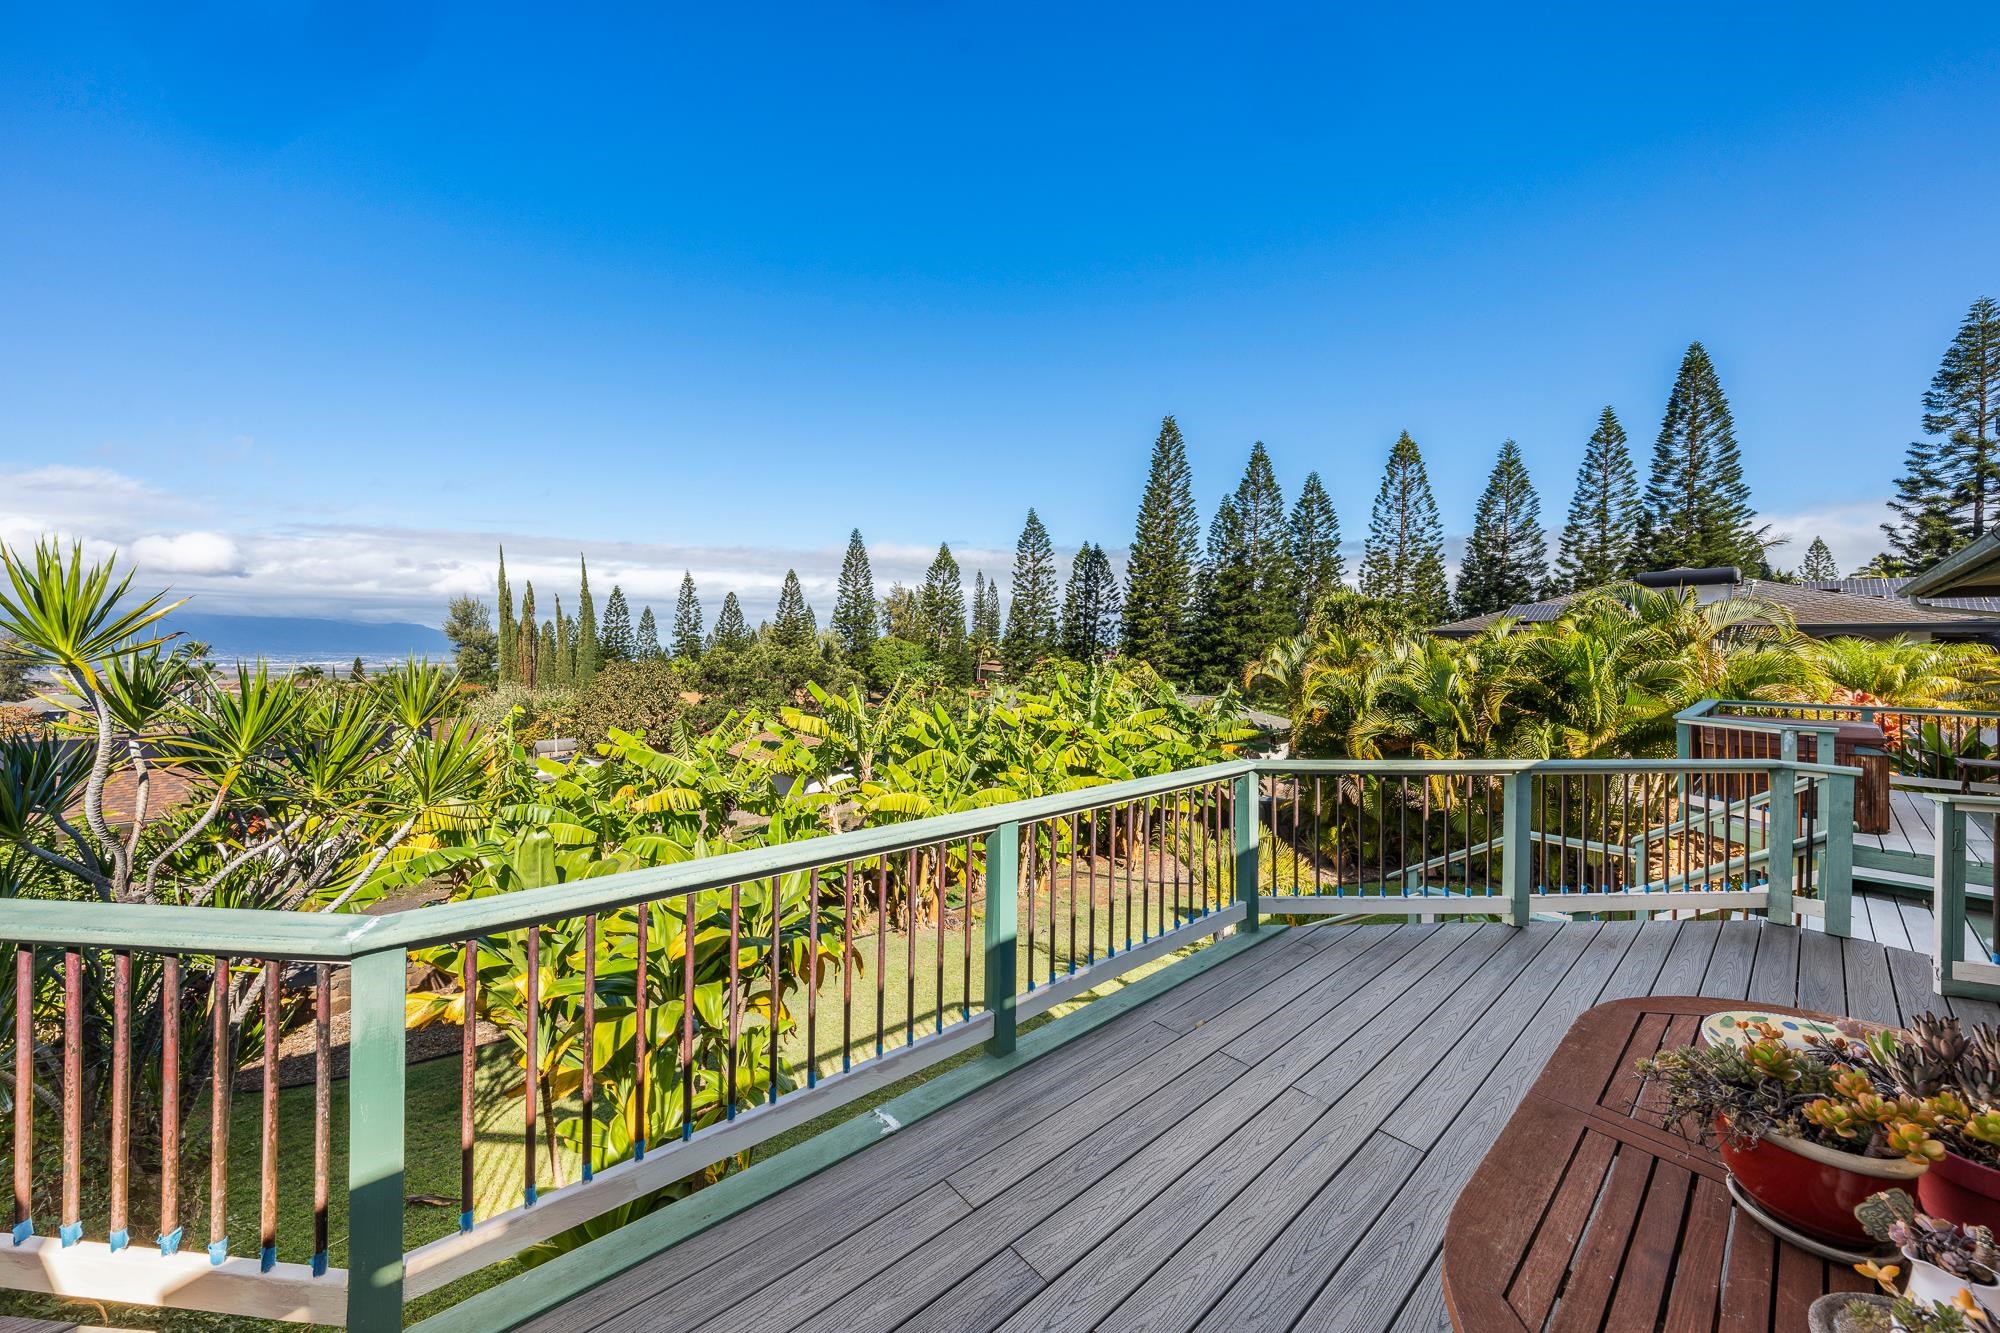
1853, 532
188, 553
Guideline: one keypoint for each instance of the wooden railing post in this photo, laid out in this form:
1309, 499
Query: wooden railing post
1244, 803
1781, 825
376, 1061
1836, 881
1517, 851
1948, 896
1003, 906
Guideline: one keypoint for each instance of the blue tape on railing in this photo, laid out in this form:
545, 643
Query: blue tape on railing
118, 1240
24, 1229
218, 1250
528, 1196
267, 1258
587, 1174
319, 1264
70, 1233
465, 1218
170, 1244
639, 1149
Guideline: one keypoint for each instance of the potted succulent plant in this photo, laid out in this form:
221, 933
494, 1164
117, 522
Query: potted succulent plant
1959, 1072
1945, 1258
1807, 1137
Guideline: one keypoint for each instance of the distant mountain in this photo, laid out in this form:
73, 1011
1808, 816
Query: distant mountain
301, 639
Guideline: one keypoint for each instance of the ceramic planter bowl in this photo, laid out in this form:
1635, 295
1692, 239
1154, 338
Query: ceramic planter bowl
1812, 1188
1960, 1190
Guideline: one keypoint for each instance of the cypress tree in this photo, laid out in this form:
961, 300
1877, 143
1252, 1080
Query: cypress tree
1597, 538
1091, 621
586, 648
984, 640
687, 620
508, 664
1403, 559
527, 667
1031, 612
615, 640
1697, 508
357, 673
1507, 557
562, 668
647, 640
1313, 539
1818, 566
793, 625
854, 601
1160, 570
941, 605
731, 634
1963, 405
546, 658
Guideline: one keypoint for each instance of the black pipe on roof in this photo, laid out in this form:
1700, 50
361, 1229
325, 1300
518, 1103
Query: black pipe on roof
1681, 578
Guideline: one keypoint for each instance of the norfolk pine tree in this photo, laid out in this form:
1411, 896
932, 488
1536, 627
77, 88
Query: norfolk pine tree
1818, 566
1091, 624
615, 642
1598, 538
687, 619
1403, 560
854, 621
1031, 613
1160, 570
1313, 535
1949, 493
646, 640
731, 634
1506, 557
792, 626
1697, 507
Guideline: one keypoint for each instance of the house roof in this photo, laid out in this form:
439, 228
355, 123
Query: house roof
1971, 571
1895, 590
1816, 610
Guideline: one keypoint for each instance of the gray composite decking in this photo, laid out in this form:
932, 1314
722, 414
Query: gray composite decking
1273, 1144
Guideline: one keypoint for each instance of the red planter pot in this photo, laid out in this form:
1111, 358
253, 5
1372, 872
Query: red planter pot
1960, 1190
1814, 1189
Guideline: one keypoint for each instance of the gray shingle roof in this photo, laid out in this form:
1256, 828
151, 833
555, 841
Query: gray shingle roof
1815, 608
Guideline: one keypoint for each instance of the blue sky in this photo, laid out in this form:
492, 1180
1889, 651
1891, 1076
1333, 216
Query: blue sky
306, 307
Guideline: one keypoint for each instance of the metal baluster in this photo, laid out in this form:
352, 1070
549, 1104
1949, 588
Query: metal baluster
70, 1222
687, 1017
24, 1093
778, 981
881, 950
267, 1172
322, 1111
588, 1091
531, 1034
965, 996
847, 967
170, 1105
1029, 834
735, 991
911, 900
468, 1055
1074, 825
221, 1071
812, 977
1094, 830
121, 1101
642, 1131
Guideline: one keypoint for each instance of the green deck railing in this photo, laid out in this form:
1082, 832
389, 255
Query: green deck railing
999, 914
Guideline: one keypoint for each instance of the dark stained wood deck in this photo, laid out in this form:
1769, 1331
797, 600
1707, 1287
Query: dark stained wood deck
1274, 1144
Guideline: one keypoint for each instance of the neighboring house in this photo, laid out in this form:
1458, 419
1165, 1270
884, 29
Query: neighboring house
1822, 611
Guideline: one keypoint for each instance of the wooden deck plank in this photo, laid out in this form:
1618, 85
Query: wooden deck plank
1183, 1117
1091, 1286
1774, 977
1109, 1185
1870, 995
1322, 1186
1424, 1312
1910, 975
1821, 983
1370, 1286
